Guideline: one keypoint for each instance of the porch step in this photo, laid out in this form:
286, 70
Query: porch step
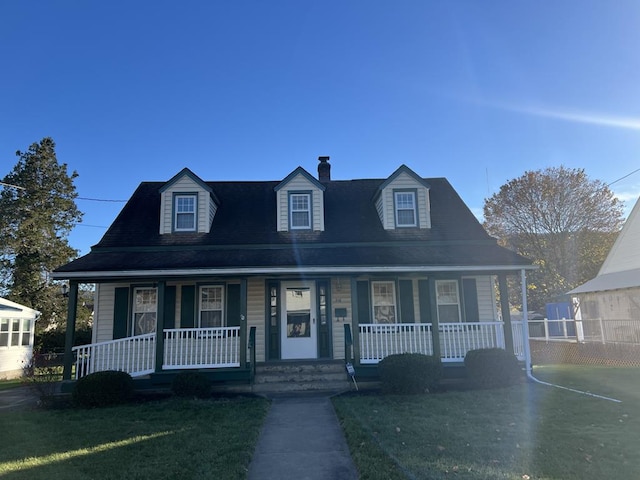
301, 377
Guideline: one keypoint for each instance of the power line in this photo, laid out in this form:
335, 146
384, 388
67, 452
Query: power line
622, 178
12, 186
101, 200
93, 226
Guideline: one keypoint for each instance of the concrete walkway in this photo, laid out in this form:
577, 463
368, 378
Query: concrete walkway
301, 439
18, 398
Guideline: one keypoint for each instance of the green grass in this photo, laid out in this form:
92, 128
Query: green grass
13, 383
173, 438
528, 431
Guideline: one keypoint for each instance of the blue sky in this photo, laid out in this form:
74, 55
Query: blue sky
475, 91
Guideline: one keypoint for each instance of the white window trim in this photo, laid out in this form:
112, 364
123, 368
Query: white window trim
21, 332
439, 303
308, 210
176, 197
397, 209
134, 310
223, 320
394, 299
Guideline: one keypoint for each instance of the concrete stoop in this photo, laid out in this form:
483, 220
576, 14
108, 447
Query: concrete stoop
282, 377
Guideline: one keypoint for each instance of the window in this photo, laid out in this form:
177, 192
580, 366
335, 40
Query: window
211, 306
405, 203
185, 213
448, 301
4, 332
300, 211
384, 302
26, 332
15, 332
145, 310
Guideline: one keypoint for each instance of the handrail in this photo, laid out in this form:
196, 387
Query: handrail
252, 352
348, 343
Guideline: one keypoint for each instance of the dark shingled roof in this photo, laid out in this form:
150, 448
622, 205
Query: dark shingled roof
244, 234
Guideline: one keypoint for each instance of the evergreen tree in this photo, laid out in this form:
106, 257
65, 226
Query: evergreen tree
37, 213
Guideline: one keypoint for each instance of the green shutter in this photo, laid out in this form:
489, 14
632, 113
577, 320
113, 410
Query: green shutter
233, 305
470, 299
425, 301
364, 309
120, 312
170, 307
188, 306
407, 313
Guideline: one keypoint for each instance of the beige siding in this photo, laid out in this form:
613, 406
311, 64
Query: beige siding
487, 309
416, 302
103, 323
255, 313
300, 183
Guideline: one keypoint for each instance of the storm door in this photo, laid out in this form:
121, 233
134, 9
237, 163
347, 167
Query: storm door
298, 326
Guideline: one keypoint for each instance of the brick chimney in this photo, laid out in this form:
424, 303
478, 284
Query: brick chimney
324, 170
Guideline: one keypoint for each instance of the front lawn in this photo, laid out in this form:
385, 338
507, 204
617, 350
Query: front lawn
530, 431
167, 439
8, 384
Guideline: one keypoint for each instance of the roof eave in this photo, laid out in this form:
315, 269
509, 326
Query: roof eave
317, 270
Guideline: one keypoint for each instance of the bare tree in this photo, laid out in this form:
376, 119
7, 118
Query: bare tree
560, 219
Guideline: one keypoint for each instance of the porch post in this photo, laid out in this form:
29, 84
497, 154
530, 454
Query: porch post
160, 326
435, 327
525, 324
72, 310
506, 314
355, 321
243, 324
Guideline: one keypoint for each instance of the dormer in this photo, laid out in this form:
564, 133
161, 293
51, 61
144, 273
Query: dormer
402, 201
300, 203
187, 204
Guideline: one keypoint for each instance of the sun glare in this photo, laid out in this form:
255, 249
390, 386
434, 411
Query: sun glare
33, 462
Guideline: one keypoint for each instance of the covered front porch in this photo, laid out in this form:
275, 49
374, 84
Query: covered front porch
222, 348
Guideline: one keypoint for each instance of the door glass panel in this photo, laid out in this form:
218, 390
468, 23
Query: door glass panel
298, 312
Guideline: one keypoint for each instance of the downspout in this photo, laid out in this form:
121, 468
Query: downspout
527, 349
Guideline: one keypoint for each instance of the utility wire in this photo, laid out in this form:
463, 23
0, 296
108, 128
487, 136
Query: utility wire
622, 178
100, 200
12, 186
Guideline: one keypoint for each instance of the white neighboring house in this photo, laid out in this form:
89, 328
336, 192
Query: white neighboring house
17, 326
609, 304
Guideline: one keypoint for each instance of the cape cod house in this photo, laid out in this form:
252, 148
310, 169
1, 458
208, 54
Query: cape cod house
224, 275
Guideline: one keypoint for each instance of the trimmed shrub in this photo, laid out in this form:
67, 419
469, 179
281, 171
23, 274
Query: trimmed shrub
101, 389
491, 368
191, 384
409, 373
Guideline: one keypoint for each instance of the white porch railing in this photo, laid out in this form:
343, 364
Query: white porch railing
378, 341
183, 349
201, 348
562, 329
134, 355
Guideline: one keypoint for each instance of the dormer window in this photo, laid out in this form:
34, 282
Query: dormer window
185, 213
300, 211
405, 206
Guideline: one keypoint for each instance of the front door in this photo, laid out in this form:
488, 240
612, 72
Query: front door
298, 325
